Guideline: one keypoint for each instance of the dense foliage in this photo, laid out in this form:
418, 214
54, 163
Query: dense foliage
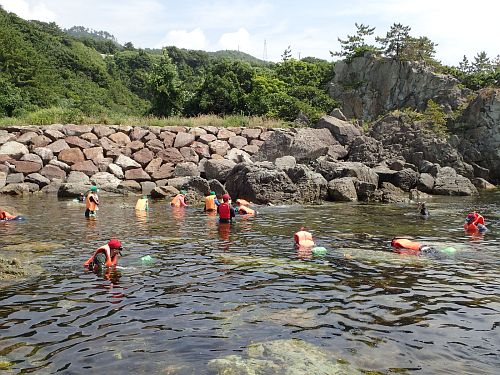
68, 74
48, 74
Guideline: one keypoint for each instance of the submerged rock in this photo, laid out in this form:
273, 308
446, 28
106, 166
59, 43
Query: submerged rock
283, 357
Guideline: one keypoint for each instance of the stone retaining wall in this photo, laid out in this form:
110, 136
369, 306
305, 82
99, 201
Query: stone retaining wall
116, 157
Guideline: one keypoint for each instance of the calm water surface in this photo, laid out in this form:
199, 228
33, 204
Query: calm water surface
213, 291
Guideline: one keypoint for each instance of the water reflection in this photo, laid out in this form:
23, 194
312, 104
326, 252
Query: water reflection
213, 290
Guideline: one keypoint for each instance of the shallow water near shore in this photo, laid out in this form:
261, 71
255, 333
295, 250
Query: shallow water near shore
210, 292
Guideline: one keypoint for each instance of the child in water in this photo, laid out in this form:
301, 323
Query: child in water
424, 212
106, 256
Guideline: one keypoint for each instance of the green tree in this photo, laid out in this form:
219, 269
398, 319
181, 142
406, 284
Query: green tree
435, 117
128, 46
355, 45
420, 49
224, 91
464, 66
287, 54
166, 88
395, 41
482, 63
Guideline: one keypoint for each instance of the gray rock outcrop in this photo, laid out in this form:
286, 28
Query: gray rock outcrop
368, 87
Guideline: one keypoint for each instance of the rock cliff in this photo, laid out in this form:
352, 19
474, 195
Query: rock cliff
368, 87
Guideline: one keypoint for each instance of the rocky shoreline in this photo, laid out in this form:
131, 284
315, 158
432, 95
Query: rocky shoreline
335, 160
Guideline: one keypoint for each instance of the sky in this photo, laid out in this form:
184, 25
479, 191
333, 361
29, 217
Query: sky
265, 28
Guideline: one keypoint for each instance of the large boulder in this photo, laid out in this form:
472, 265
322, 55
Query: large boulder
343, 131
342, 189
260, 183
105, 180
126, 163
425, 183
137, 174
331, 169
309, 144
186, 169
72, 190
53, 172
3, 179
218, 169
238, 156
285, 162
312, 187
76, 130
27, 167
20, 188
392, 194
87, 167
45, 153
76, 177
36, 178
197, 188
183, 140
217, 187
57, 146
305, 145
276, 146
71, 156
448, 182
366, 150
13, 149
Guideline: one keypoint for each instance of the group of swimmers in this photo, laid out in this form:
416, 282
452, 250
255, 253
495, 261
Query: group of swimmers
224, 208
474, 223
107, 255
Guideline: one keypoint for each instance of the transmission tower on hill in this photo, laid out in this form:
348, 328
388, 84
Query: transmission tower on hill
264, 53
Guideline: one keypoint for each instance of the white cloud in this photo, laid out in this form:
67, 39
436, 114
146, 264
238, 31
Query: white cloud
239, 40
194, 39
37, 11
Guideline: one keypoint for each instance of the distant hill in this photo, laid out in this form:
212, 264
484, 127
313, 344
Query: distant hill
85, 32
189, 54
240, 56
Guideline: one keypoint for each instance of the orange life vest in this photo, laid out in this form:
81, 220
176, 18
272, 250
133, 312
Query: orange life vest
142, 204
403, 243
178, 201
4, 215
242, 202
243, 210
210, 203
479, 219
110, 262
473, 226
303, 238
91, 206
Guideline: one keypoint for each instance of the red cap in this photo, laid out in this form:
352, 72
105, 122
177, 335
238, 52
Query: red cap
114, 244
226, 197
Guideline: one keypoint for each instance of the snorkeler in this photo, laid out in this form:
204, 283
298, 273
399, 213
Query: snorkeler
474, 222
105, 256
423, 210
